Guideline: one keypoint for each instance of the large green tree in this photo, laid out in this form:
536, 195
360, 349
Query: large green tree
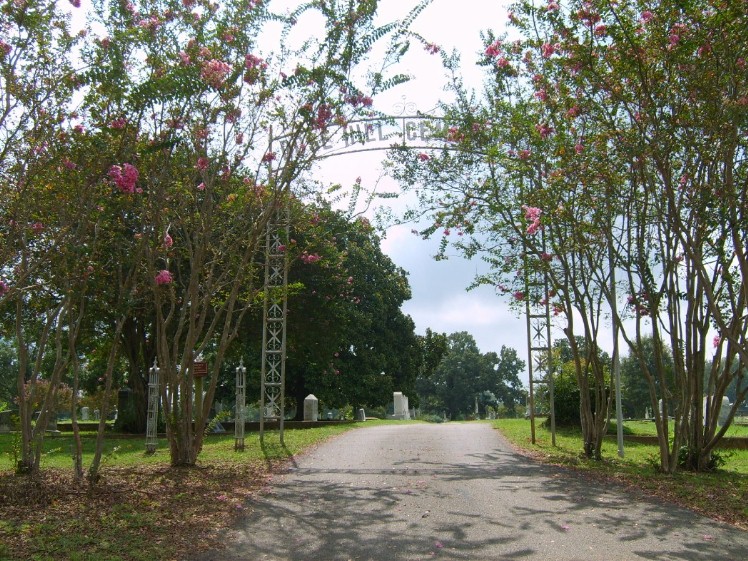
465, 378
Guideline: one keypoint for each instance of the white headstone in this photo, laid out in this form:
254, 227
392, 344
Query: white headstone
401, 406
84, 413
311, 408
361, 415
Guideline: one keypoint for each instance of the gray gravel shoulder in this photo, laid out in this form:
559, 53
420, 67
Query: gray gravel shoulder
458, 491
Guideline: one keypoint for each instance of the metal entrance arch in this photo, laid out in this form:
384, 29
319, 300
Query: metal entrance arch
367, 135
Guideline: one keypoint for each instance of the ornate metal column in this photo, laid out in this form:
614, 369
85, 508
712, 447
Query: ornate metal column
241, 401
274, 327
538, 314
151, 437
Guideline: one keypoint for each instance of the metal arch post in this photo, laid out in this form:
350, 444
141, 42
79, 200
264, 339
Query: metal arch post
275, 307
538, 316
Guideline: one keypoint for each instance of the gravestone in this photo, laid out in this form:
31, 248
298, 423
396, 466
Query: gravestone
401, 406
361, 416
724, 410
311, 408
97, 415
85, 413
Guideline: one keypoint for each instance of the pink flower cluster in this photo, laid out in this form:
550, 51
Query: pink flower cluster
5, 48
215, 72
118, 123
125, 177
164, 277
309, 258
359, 99
544, 129
494, 49
532, 215
251, 62
4, 288
432, 49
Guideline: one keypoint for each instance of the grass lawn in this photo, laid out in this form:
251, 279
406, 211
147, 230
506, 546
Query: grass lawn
722, 494
142, 509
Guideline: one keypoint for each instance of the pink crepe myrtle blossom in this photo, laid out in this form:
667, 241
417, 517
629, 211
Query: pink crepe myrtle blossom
164, 277
184, 58
281, 248
541, 95
646, 16
494, 49
202, 163
716, 341
547, 49
534, 227
118, 123
75, 3
525, 154
423, 157
125, 177
544, 129
578, 148
201, 187
268, 157
5, 48
4, 288
532, 213
546, 256
502, 62
168, 241
432, 49
151, 24
309, 258
573, 112
215, 72
552, 6
350, 280
519, 295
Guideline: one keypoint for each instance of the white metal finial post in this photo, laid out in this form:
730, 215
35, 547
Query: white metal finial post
239, 416
151, 436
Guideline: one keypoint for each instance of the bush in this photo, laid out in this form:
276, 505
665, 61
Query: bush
432, 418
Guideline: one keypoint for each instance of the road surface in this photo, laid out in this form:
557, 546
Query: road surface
457, 491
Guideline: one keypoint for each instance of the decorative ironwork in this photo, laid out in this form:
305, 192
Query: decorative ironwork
151, 437
538, 315
274, 327
241, 403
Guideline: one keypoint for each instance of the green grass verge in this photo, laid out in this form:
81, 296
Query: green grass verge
722, 494
142, 509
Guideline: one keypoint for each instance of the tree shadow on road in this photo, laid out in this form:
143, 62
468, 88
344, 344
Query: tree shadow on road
493, 506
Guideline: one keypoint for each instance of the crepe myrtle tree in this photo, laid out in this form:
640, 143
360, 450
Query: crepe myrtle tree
597, 130
216, 129
42, 265
658, 101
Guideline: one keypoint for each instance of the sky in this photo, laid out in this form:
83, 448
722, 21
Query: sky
440, 300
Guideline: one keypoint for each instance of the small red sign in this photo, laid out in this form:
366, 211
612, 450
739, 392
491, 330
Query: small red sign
199, 369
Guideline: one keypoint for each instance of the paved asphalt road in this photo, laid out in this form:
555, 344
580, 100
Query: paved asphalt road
456, 491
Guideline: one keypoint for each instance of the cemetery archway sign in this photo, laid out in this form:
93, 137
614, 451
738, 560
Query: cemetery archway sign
411, 130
